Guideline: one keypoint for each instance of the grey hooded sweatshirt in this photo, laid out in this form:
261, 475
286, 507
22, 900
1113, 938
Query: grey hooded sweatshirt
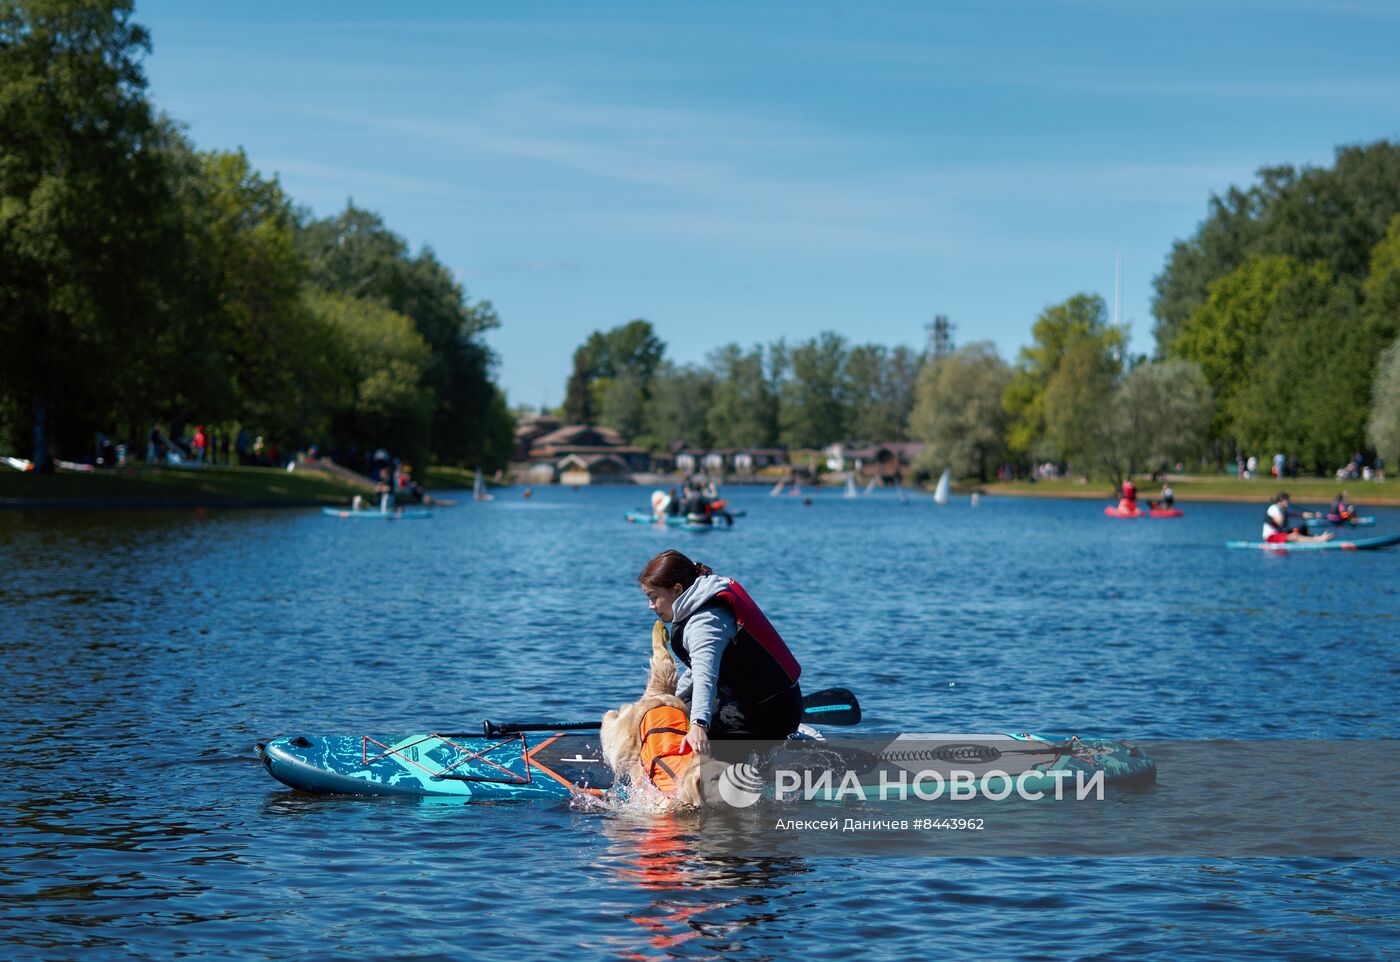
707, 633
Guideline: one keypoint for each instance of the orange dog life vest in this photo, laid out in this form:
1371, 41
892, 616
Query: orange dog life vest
664, 756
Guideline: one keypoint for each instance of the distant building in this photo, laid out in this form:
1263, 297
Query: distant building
753, 460
887, 463
529, 429
726, 461
593, 469
589, 453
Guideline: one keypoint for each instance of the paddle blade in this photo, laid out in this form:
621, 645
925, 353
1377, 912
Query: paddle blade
831, 706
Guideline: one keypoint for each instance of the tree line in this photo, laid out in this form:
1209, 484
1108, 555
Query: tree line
143, 280
1276, 329
794, 395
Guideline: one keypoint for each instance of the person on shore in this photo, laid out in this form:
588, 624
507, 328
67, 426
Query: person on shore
740, 679
155, 448
1277, 528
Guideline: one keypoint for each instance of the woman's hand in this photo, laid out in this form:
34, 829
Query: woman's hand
698, 739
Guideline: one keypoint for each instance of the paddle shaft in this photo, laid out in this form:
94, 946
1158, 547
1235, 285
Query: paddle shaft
838, 705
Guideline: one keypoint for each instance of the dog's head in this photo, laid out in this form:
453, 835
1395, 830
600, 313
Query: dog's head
621, 736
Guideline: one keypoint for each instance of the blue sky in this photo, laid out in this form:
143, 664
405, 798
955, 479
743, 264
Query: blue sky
743, 172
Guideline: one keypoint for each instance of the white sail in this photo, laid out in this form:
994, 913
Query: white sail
940, 494
870, 488
850, 486
778, 488
479, 489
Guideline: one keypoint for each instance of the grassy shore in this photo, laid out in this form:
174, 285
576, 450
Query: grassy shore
444, 478
172, 487
1209, 488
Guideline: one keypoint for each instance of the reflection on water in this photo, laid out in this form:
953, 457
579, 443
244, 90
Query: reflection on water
144, 653
723, 900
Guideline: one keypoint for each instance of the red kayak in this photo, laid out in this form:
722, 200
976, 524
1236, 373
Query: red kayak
1114, 511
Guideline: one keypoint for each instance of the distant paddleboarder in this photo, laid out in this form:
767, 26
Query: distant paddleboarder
1127, 502
1342, 510
1277, 528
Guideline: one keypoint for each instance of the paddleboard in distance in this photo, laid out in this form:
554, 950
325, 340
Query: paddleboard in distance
377, 515
1338, 523
1336, 544
646, 517
701, 526
1112, 512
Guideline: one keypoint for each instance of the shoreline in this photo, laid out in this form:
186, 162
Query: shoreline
1303, 490
144, 488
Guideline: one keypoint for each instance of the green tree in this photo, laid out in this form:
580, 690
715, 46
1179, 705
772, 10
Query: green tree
1336, 215
958, 413
278, 373
622, 405
1059, 328
1222, 242
1308, 389
1162, 414
578, 396
85, 204
813, 403
355, 254
611, 378
743, 411
1383, 425
385, 363
880, 391
1332, 215
1381, 289
630, 349
1078, 406
681, 399
1223, 334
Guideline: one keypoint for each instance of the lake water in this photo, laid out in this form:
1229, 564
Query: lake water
145, 653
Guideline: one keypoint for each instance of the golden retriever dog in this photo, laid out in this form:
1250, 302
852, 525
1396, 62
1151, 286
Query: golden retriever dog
660, 712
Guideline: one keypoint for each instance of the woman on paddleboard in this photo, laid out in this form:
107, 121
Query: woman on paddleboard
740, 679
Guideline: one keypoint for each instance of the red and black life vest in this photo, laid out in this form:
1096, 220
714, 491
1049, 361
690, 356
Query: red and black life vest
756, 664
665, 756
